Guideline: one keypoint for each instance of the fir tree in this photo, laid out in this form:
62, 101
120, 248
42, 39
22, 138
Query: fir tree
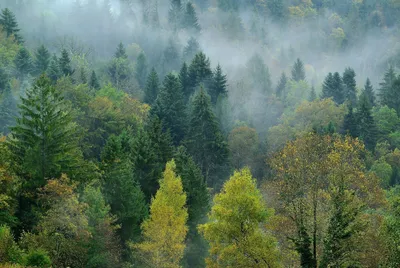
171, 59
54, 71
333, 88
170, 108
152, 87
94, 82
83, 76
277, 10
298, 72
259, 72
350, 123
218, 85
175, 14
42, 60
386, 87
189, 20
141, 70
367, 128
8, 110
191, 49
280, 88
200, 70
313, 95
65, 64
120, 52
204, 140
185, 82
23, 63
4, 81
391, 97
9, 24
369, 92
349, 83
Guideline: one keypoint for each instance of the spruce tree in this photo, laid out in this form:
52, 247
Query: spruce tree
298, 72
23, 63
141, 70
94, 82
260, 76
8, 110
349, 83
386, 87
391, 96
189, 20
120, 52
369, 92
9, 24
175, 14
200, 70
65, 64
313, 95
184, 80
4, 80
170, 108
333, 88
152, 87
218, 85
42, 60
191, 49
54, 71
350, 123
367, 128
205, 141
171, 57
280, 88
82, 76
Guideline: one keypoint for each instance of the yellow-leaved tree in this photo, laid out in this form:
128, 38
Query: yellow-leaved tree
235, 231
165, 230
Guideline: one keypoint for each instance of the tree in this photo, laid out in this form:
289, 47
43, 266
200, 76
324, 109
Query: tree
260, 76
184, 81
94, 82
189, 20
350, 124
165, 231
227, 5
23, 63
333, 88
170, 108
313, 95
367, 129
386, 88
218, 85
120, 52
391, 98
298, 72
65, 64
204, 139
369, 92
54, 72
349, 86
280, 88
141, 69
10, 25
42, 60
171, 57
277, 10
233, 229
175, 14
8, 111
191, 49
4, 80
391, 228
199, 70
152, 87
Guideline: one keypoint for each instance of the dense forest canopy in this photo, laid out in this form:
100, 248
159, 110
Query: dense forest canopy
203, 133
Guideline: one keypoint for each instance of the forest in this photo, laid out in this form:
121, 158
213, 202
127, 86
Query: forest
199, 133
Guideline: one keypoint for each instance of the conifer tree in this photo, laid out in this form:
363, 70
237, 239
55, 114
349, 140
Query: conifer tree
42, 60
152, 87
191, 49
313, 95
65, 64
141, 70
120, 52
189, 20
391, 97
367, 129
175, 14
9, 23
171, 57
4, 80
259, 72
23, 63
8, 110
170, 108
204, 140
234, 227
350, 123
280, 88
333, 88
298, 72
369, 92
82, 76
349, 86
199, 70
94, 82
165, 231
54, 71
386, 87
185, 81
218, 85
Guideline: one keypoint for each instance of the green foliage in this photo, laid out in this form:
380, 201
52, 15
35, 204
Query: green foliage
8, 110
383, 170
141, 70
152, 87
389, 91
9, 250
175, 14
23, 63
313, 95
298, 72
54, 71
65, 64
120, 52
333, 87
367, 129
369, 92
349, 86
261, 79
191, 49
218, 86
42, 60
281, 87
189, 19
392, 228
10, 25
38, 258
199, 70
94, 82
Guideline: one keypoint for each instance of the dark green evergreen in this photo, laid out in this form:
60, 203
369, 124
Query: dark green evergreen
189, 20
191, 49
54, 71
94, 82
333, 88
23, 63
120, 52
10, 25
42, 60
4, 80
349, 86
65, 64
313, 95
369, 92
200, 70
184, 80
390, 96
350, 123
141, 70
298, 72
280, 88
171, 57
367, 128
302, 242
152, 87
175, 14
259, 75
170, 108
218, 86
386, 87
8, 111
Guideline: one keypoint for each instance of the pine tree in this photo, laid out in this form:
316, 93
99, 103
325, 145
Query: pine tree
175, 14
42, 60
204, 140
54, 69
191, 49
185, 82
165, 231
189, 20
120, 52
234, 228
280, 88
386, 87
367, 128
23, 63
94, 82
333, 88
313, 95
349, 83
350, 123
369, 92
141, 70
65, 64
170, 108
391, 97
218, 85
199, 70
298, 72
44, 139
152, 87
9, 24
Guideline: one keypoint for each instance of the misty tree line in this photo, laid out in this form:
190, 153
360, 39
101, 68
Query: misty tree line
124, 158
